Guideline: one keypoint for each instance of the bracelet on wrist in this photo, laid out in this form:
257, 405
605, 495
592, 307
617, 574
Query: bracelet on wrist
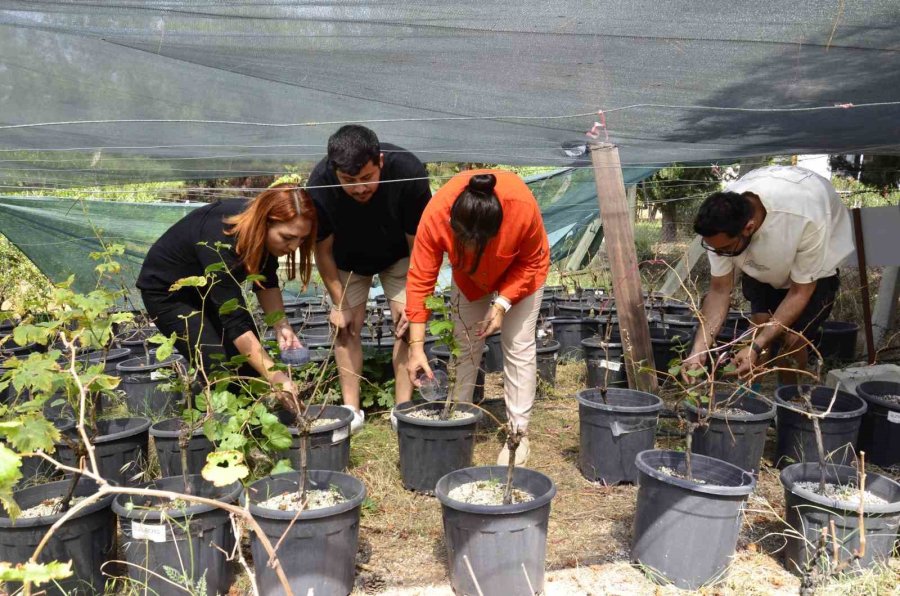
757, 349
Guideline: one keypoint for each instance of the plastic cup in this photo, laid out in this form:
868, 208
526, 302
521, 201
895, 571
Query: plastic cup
295, 356
435, 388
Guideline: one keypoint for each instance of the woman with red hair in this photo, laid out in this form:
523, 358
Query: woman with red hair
229, 241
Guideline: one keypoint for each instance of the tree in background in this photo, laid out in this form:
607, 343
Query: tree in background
676, 192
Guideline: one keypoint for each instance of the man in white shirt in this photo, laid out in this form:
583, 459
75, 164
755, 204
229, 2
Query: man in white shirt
787, 231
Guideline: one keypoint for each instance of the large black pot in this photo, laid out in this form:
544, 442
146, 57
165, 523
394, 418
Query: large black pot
87, 539
840, 428
605, 361
429, 449
166, 438
807, 513
143, 381
879, 434
110, 358
318, 549
136, 340
570, 331
686, 532
739, 439
497, 550
328, 446
837, 340
36, 469
194, 540
613, 432
120, 448
547, 356
668, 343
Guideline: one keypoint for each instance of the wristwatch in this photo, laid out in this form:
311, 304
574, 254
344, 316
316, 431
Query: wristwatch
757, 349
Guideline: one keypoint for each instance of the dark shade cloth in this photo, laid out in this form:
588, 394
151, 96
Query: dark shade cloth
371, 236
188, 248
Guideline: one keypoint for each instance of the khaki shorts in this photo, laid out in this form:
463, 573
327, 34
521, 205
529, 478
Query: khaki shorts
393, 282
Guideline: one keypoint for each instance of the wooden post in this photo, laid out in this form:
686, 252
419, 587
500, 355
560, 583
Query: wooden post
581, 249
863, 283
885, 314
626, 279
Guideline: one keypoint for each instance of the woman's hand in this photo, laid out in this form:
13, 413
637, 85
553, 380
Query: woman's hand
283, 387
417, 361
493, 323
287, 339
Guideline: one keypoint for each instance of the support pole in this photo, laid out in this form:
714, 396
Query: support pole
885, 314
626, 279
863, 283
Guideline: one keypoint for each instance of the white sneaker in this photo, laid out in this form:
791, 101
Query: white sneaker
359, 419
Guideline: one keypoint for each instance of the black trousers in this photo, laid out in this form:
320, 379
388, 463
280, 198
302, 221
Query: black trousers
764, 298
198, 335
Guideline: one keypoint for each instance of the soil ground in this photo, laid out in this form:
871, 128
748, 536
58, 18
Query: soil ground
588, 542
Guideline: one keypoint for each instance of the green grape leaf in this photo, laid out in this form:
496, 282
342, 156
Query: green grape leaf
278, 435
32, 433
675, 370
224, 467
229, 306
29, 334
233, 442
696, 372
255, 277
192, 281
10, 462
37, 573
440, 327
283, 466
213, 267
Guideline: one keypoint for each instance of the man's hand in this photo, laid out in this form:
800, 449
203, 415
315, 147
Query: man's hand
287, 339
745, 361
416, 362
402, 325
492, 324
696, 361
340, 318
285, 390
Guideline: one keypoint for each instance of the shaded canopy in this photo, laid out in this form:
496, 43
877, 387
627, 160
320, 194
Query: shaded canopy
125, 91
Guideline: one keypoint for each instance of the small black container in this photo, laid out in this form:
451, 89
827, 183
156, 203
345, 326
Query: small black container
739, 439
166, 436
318, 552
503, 546
879, 434
840, 429
87, 539
605, 362
837, 340
328, 445
493, 359
807, 513
429, 449
141, 382
613, 433
120, 448
194, 540
686, 532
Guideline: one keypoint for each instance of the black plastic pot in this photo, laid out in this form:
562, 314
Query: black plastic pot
166, 436
840, 428
668, 343
328, 446
318, 552
429, 449
736, 323
503, 546
570, 331
193, 541
678, 308
136, 341
141, 382
837, 340
686, 532
879, 433
37, 469
605, 362
493, 359
807, 513
739, 439
87, 539
613, 433
120, 448
315, 332
110, 358
547, 357
441, 356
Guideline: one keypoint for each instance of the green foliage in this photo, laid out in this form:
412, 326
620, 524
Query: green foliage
182, 579
23, 288
37, 573
10, 464
376, 387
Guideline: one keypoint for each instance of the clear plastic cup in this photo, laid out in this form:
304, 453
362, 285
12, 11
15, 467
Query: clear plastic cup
435, 388
295, 356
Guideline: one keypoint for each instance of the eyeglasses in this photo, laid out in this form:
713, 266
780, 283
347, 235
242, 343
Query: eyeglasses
727, 252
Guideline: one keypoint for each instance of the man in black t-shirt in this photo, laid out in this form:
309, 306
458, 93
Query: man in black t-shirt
369, 199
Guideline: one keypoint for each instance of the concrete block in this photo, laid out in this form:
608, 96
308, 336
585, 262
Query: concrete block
852, 376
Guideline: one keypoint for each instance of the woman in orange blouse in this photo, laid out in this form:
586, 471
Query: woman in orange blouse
490, 225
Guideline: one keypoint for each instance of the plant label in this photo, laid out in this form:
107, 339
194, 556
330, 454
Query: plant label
894, 417
340, 434
151, 532
613, 366
157, 375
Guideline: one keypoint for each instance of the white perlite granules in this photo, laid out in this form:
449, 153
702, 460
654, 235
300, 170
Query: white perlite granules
842, 493
487, 492
315, 499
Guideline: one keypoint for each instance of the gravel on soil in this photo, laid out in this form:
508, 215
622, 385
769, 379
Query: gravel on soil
47, 507
320, 422
674, 474
422, 414
846, 493
315, 499
487, 492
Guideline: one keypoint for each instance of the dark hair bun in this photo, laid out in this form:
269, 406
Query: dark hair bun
482, 183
